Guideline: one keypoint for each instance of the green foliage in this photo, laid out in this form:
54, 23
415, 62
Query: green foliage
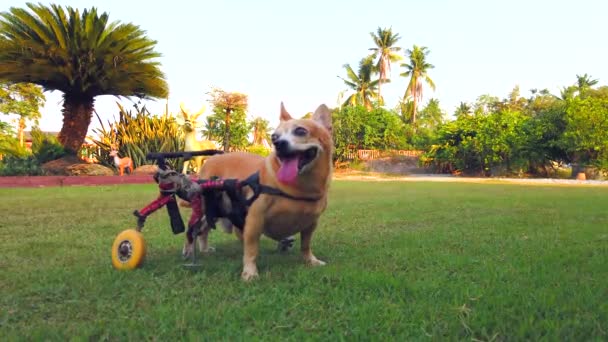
138, 133
526, 135
9, 145
20, 166
358, 128
479, 143
45, 146
429, 119
585, 137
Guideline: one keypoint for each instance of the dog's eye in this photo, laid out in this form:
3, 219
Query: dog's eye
274, 137
300, 131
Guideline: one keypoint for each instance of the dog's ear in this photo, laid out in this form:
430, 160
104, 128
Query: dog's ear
323, 116
284, 114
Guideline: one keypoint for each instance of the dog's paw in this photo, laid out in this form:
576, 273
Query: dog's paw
315, 262
249, 274
208, 250
187, 250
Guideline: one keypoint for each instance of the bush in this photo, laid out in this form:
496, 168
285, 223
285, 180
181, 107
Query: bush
137, 134
20, 166
46, 147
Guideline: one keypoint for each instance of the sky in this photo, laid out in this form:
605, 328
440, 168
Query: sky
294, 51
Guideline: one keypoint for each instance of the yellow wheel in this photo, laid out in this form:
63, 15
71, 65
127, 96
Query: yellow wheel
128, 250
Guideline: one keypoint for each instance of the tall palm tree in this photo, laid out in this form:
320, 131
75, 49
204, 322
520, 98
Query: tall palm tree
82, 55
417, 71
261, 131
464, 109
385, 51
584, 83
361, 82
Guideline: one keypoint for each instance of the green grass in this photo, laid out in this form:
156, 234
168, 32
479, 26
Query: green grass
406, 261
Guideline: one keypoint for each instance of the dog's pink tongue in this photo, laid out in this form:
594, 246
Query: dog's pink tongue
288, 173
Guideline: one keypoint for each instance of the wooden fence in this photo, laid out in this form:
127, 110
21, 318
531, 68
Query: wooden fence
376, 154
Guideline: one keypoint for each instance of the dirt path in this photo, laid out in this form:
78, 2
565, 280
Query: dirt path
449, 178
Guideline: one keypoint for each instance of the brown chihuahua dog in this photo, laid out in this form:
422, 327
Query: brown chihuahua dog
300, 166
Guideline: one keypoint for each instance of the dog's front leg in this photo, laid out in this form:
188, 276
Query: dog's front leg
306, 237
251, 240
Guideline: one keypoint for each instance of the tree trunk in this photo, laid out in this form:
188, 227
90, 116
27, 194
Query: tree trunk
77, 112
21, 129
227, 132
414, 107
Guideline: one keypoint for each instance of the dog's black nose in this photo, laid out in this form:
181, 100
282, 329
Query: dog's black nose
281, 146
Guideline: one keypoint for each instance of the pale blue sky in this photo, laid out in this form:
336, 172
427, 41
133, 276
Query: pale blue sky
293, 51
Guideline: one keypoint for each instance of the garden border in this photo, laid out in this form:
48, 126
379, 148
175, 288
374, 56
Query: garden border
50, 181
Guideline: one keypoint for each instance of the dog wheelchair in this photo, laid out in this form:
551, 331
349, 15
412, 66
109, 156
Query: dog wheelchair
129, 247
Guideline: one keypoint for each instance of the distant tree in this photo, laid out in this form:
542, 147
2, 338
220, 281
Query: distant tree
463, 109
229, 117
486, 104
365, 89
584, 83
417, 70
261, 131
83, 55
432, 115
386, 52
23, 100
585, 137
357, 128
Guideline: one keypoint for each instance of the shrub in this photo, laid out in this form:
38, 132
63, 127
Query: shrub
46, 147
137, 134
20, 166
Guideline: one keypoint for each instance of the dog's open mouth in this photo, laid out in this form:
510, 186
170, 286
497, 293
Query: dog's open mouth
293, 163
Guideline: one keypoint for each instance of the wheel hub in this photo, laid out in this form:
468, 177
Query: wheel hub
125, 250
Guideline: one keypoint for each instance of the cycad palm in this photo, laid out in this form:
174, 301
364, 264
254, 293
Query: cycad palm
361, 82
386, 52
82, 55
417, 71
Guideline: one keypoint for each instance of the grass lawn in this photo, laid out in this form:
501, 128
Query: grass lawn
406, 260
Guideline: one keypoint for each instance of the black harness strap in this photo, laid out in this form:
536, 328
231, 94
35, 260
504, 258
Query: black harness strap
240, 204
253, 182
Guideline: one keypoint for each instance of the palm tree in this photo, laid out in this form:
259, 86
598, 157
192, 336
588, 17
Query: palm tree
385, 51
261, 131
417, 71
463, 109
82, 55
362, 84
584, 83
